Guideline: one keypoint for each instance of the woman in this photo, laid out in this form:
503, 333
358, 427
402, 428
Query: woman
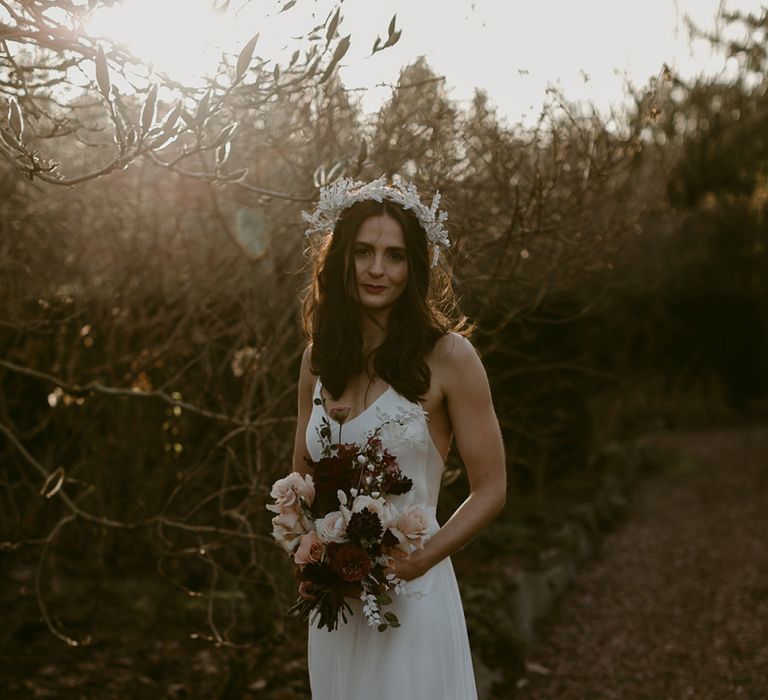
382, 343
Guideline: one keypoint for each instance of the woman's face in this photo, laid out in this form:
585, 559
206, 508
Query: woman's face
381, 263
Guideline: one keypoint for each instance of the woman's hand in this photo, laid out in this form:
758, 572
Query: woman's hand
406, 566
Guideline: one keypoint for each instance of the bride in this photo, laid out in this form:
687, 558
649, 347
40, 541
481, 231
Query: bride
384, 340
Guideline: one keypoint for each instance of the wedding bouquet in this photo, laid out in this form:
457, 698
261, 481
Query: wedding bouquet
341, 531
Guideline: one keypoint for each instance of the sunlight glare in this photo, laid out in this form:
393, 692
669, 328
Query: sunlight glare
182, 39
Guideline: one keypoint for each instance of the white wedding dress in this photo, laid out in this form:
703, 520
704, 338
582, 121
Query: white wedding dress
427, 657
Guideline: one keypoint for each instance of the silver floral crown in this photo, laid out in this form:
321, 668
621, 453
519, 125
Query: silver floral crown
345, 192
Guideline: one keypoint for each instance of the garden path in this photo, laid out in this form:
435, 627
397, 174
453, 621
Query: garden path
676, 604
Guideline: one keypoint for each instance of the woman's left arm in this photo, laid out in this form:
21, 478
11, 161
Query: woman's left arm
478, 439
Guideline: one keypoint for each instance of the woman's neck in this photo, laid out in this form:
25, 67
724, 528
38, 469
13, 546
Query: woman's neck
374, 331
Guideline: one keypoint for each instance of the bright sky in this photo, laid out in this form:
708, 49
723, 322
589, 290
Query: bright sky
512, 49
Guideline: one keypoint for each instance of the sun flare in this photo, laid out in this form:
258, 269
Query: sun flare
182, 39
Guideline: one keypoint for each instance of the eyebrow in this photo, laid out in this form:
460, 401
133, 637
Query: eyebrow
395, 248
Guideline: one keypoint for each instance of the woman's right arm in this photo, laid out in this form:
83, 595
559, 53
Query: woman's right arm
304, 409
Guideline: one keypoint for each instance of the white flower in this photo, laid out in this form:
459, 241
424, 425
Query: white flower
332, 528
371, 609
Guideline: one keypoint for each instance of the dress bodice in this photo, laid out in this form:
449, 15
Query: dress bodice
404, 432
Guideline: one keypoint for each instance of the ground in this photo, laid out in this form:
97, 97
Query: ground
676, 605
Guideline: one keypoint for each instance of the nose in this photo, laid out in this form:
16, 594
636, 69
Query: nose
377, 266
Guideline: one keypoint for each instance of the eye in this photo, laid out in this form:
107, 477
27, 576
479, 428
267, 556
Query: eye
361, 251
397, 256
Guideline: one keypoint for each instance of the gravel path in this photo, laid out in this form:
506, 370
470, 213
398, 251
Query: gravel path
676, 606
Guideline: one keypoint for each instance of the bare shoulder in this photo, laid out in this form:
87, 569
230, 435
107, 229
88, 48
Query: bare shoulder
454, 353
306, 376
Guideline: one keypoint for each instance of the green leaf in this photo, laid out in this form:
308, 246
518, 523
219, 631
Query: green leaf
164, 140
244, 59
393, 39
391, 618
172, 117
236, 175
222, 153
11, 140
313, 67
319, 176
15, 119
384, 599
149, 110
329, 34
294, 57
287, 6
335, 171
376, 45
225, 135
382, 628
102, 73
53, 483
203, 107
391, 29
341, 49
188, 118
276, 73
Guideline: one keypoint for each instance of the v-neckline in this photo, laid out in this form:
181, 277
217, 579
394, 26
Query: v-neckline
359, 415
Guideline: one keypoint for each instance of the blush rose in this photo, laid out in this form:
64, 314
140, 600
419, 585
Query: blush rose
411, 527
287, 491
310, 549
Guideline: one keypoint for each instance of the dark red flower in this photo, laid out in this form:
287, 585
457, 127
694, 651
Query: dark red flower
395, 482
364, 528
350, 562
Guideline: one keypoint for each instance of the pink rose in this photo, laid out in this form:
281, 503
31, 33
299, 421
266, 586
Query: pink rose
287, 528
412, 527
340, 414
287, 491
310, 549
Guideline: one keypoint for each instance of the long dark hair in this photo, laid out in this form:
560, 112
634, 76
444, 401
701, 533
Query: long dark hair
332, 315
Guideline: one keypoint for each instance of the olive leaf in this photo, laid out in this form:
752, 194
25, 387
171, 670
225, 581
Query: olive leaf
203, 107
244, 59
225, 135
102, 73
331, 31
341, 49
16, 119
53, 483
149, 109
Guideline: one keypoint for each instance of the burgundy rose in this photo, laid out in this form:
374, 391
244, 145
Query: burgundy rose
335, 467
395, 482
364, 528
350, 562
318, 573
